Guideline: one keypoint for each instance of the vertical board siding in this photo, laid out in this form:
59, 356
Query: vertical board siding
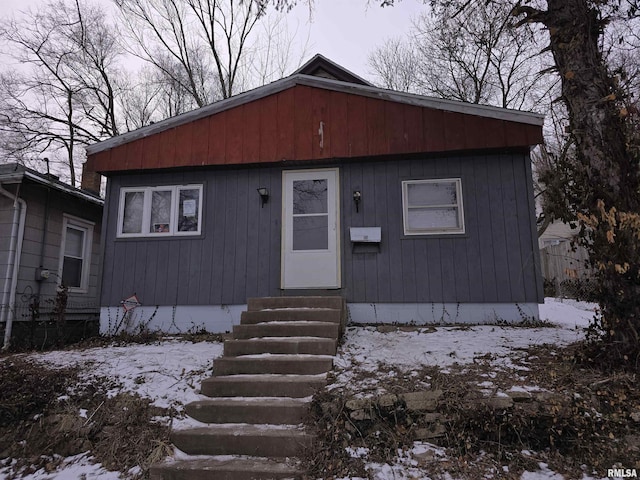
231, 260
336, 125
200, 139
285, 126
238, 253
491, 262
269, 128
305, 128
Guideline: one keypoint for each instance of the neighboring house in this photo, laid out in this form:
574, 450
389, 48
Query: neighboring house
49, 234
414, 209
557, 232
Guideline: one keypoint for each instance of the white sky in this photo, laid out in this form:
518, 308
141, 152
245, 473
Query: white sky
344, 31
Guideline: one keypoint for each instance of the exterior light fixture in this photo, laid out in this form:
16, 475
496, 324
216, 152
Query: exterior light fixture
357, 196
264, 195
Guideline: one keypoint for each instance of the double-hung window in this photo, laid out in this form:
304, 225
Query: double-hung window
432, 206
160, 211
75, 254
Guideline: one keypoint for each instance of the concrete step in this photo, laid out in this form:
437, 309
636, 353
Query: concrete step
263, 303
242, 439
272, 411
287, 329
290, 345
296, 386
225, 468
268, 363
331, 315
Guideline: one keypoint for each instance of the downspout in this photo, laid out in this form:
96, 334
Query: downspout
15, 253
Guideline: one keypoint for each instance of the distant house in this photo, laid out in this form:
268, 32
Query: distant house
414, 209
49, 235
557, 232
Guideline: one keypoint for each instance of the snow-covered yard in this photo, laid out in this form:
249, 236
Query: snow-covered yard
169, 372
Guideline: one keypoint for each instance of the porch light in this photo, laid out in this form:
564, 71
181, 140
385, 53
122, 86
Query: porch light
357, 196
264, 195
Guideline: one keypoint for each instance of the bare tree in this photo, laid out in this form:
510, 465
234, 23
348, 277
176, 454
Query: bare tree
278, 49
603, 188
197, 45
397, 65
476, 59
62, 94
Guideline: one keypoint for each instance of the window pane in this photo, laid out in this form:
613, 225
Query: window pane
188, 210
160, 211
309, 196
72, 272
74, 243
432, 218
133, 205
311, 233
440, 193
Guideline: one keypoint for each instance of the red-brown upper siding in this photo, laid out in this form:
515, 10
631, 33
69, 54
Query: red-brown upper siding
285, 126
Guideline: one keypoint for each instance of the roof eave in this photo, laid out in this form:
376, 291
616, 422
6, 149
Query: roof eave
328, 84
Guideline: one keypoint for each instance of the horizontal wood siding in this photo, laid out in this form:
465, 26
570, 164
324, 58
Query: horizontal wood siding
286, 126
59, 204
238, 254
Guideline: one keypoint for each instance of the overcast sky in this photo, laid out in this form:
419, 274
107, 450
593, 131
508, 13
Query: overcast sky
344, 31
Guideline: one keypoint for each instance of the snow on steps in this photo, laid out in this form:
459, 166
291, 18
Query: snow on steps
261, 388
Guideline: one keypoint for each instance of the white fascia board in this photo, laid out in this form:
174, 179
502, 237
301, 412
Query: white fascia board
327, 84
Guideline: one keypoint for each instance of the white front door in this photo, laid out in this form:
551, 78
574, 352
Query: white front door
310, 229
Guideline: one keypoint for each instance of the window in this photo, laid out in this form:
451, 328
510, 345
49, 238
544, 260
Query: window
75, 254
160, 211
432, 206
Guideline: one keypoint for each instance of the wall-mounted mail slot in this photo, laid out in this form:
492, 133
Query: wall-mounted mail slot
366, 234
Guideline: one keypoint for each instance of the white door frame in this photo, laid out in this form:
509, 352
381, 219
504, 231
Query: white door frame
297, 268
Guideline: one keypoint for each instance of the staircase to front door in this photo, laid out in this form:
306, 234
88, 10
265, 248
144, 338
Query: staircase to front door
250, 426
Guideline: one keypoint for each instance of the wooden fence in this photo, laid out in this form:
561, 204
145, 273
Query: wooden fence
560, 262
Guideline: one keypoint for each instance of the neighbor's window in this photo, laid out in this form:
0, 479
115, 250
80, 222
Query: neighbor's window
160, 211
75, 255
432, 206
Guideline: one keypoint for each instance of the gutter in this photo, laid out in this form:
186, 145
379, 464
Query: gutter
15, 253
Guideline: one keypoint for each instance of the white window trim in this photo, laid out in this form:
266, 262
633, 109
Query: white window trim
87, 227
146, 210
434, 231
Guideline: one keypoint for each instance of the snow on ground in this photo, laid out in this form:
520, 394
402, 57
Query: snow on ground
446, 346
170, 372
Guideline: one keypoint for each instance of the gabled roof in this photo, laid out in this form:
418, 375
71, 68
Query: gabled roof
320, 66
16, 173
298, 79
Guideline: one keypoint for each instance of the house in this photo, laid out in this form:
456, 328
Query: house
49, 235
557, 232
414, 209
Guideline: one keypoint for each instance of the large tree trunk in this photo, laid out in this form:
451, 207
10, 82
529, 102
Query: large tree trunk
605, 188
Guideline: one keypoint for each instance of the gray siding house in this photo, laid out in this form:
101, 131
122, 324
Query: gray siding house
414, 209
49, 235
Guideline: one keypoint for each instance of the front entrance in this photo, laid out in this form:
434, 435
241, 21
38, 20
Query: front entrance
310, 229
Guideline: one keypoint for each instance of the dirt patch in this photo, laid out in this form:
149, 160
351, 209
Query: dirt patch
499, 421
47, 414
